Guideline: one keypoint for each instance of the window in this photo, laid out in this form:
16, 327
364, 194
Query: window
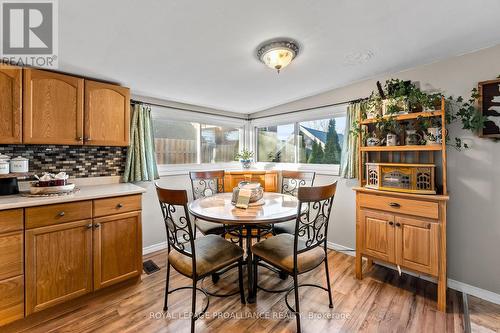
276, 143
219, 144
175, 141
320, 141
184, 142
311, 142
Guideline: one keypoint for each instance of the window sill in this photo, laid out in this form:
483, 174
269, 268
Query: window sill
320, 169
184, 169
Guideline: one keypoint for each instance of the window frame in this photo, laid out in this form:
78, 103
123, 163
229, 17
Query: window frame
172, 114
337, 111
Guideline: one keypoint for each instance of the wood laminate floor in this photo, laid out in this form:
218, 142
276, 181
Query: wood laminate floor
381, 302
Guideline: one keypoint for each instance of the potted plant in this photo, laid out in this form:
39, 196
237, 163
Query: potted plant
245, 157
431, 127
390, 129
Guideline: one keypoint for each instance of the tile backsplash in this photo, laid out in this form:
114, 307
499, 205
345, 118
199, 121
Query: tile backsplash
77, 161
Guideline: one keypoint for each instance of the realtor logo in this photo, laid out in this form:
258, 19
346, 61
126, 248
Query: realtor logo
29, 32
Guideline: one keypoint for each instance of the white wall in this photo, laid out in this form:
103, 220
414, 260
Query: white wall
473, 175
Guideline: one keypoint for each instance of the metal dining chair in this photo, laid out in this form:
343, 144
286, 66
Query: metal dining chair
205, 184
291, 181
304, 250
194, 257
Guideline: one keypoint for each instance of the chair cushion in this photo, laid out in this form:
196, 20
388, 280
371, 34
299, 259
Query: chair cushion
278, 251
212, 254
209, 228
287, 227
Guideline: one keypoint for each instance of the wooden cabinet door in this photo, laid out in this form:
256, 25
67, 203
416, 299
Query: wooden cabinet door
417, 244
11, 299
58, 264
107, 114
53, 108
10, 104
377, 232
117, 248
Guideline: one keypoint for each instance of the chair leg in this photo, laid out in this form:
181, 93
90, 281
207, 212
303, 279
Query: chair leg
328, 282
193, 307
255, 274
297, 309
165, 305
240, 281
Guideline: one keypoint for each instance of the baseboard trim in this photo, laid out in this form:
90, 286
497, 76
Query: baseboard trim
341, 248
154, 248
452, 284
474, 291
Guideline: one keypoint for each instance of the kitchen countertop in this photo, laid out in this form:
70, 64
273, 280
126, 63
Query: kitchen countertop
87, 192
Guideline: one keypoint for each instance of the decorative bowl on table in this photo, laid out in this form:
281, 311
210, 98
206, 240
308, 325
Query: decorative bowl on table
257, 192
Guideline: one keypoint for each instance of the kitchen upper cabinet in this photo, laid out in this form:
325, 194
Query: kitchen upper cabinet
58, 264
417, 242
377, 232
107, 114
53, 108
117, 248
10, 104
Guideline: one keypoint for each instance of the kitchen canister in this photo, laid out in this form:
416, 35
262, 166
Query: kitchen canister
19, 164
4, 167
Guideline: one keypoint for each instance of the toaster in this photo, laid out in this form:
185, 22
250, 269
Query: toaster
9, 186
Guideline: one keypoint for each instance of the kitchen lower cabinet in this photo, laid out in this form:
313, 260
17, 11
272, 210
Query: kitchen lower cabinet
117, 248
58, 264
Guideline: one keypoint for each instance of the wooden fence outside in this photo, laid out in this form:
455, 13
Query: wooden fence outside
181, 151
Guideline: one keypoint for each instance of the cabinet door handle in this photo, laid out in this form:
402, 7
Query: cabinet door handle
428, 226
391, 223
394, 204
79, 138
89, 226
398, 224
87, 139
61, 214
120, 205
97, 225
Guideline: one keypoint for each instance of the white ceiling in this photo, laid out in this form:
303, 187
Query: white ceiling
203, 52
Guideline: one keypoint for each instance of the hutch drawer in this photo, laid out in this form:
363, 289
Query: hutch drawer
393, 204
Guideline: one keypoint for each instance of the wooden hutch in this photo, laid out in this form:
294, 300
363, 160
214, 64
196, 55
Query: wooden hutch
403, 227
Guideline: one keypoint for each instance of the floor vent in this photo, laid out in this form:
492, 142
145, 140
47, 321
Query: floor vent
150, 267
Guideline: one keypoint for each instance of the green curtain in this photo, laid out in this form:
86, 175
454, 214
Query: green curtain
141, 161
349, 157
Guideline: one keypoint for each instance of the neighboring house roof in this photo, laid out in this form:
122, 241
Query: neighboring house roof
319, 135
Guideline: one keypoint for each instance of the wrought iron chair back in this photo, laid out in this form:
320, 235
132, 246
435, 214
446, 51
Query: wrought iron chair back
180, 235
291, 181
206, 183
312, 223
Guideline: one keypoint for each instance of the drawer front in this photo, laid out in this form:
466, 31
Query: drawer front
116, 205
11, 220
399, 205
11, 255
56, 214
11, 299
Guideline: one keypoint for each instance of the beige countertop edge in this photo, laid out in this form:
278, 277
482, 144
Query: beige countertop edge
85, 193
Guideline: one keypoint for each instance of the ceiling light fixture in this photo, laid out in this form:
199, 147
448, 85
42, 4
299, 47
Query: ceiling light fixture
278, 54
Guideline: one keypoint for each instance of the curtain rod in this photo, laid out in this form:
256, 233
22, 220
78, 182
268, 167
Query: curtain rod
312, 108
243, 117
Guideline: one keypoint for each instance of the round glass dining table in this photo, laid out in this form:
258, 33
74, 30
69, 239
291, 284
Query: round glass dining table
275, 208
